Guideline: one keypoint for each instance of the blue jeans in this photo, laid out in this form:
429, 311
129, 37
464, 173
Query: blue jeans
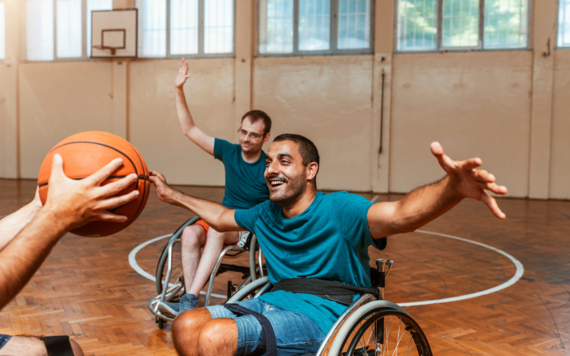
4, 339
295, 333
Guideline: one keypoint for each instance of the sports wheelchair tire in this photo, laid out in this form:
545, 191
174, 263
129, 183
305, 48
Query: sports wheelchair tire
160, 267
396, 331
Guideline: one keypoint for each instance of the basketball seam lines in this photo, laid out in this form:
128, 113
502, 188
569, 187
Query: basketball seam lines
130, 160
109, 177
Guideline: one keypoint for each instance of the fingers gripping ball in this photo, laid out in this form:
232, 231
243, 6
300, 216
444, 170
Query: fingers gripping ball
84, 154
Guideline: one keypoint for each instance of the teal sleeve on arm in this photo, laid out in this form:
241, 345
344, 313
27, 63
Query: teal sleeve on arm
353, 218
246, 218
220, 148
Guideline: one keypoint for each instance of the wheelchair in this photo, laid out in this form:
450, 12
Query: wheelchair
370, 326
170, 279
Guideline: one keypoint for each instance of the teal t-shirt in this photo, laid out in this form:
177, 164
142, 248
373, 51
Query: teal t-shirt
329, 240
245, 184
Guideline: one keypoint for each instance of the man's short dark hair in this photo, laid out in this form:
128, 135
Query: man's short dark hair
256, 115
307, 148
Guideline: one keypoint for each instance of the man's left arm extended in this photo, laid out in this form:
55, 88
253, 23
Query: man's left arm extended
425, 204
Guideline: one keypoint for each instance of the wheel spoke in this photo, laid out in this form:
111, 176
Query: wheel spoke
398, 337
409, 346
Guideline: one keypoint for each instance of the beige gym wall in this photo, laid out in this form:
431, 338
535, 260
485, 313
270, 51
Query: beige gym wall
497, 105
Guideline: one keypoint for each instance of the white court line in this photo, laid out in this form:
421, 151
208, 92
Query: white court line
145, 274
518, 274
374, 199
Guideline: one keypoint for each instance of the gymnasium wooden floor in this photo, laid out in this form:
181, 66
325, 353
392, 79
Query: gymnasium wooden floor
88, 290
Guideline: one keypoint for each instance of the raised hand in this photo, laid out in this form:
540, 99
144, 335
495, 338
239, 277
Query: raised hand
470, 182
182, 74
78, 202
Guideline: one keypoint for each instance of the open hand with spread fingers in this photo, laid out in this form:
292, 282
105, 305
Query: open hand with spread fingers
182, 74
469, 181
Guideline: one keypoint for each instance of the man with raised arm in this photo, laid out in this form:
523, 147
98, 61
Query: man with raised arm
307, 234
245, 187
28, 235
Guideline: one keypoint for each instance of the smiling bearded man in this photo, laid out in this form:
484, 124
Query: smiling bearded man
306, 234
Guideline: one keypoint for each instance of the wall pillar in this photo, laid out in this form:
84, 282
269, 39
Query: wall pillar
544, 35
120, 84
244, 59
381, 94
9, 118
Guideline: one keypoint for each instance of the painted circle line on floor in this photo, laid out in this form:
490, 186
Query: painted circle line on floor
518, 273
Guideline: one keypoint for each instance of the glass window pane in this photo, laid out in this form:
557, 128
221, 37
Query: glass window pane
39, 30
69, 31
183, 26
353, 24
460, 23
314, 25
2, 32
506, 24
219, 26
95, 5
153, 28
276, 26
564, 23
417, 27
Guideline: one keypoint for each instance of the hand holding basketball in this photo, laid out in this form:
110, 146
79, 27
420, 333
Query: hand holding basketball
78, 202
470, 182
182, 74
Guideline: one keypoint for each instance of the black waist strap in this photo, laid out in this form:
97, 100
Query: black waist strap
58, 345
267, 343
331, 290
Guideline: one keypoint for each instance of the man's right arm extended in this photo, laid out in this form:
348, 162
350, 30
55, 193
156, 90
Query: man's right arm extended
216, 215
187, 126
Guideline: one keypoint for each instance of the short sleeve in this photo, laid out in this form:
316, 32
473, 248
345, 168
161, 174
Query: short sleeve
221, 148
246, 218
351, 214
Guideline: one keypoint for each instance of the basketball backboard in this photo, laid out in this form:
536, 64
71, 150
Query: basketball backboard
114, 33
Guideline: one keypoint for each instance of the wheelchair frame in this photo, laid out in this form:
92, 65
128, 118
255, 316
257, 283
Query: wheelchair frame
167, 291
361, 312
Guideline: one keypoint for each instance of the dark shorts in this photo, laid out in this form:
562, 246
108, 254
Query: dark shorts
4, 340
295, 333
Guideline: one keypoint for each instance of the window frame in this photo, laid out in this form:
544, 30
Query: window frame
83, 57
201, 34
556, 46
333, 51
481, 31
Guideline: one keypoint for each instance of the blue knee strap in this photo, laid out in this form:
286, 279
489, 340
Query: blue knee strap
267, 342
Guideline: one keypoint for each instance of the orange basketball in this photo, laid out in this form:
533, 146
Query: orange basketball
87, 152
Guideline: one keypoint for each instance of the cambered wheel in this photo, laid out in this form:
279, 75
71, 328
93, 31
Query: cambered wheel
381, 332
162, 265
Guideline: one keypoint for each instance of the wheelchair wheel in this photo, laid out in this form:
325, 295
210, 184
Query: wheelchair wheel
381, 332
162, 266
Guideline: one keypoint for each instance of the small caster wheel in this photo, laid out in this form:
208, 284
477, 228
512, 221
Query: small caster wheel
160, 324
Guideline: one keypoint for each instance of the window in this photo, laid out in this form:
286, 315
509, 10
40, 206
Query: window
186, 28
314, 27
44, 43
431, 25
564, 23
2, 32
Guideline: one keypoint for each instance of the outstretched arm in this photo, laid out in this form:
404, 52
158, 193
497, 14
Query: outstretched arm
216, 215
187, 125
70, 204
12, 224
425, 204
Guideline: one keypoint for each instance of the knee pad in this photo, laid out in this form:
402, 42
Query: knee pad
58, 345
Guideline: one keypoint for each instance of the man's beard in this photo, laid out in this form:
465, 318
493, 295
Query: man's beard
294, 191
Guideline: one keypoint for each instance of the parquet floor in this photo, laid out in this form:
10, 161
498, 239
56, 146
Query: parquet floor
88, 290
